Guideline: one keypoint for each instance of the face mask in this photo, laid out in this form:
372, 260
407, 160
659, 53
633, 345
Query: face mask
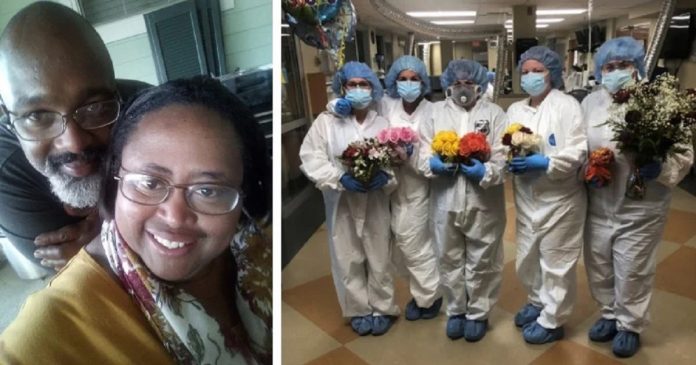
359, 98
534, 83
409, 90
462, 95
617, 79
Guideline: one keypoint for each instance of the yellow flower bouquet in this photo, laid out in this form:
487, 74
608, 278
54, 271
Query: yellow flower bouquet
446, 145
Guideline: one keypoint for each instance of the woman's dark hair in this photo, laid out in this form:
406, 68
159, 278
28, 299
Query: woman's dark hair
209, 93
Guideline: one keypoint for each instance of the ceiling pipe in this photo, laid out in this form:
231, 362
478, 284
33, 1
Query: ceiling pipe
653, 52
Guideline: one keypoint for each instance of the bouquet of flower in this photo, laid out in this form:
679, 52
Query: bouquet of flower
363, 159
399, 141
598, 168
446, 145
474, 145
520, 140
649, 121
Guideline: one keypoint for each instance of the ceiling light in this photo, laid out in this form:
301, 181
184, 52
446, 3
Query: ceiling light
509, 26
452, 22
440, 14
561, 12
542, 20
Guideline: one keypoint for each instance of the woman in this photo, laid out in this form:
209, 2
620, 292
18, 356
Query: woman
407, 83
622, 234
185, 178
467, 203
357, 214
550, 199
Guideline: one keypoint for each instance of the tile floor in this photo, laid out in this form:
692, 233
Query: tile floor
314, 332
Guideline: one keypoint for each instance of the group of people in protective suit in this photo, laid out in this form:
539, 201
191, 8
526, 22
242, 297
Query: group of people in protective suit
446, 221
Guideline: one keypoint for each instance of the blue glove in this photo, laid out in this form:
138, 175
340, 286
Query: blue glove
377, 182
440, 168
594, 182
520, 165
537, 161
351, 184
409, 149
651, 171
342, 107
475, 172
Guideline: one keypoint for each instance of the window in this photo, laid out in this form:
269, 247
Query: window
186, 39
105, 11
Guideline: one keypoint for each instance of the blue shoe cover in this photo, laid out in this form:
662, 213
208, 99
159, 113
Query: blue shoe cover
603, 330
362, 325
475, 330
381, 324
626, 344
535, 334
527, 314
455, 326
433, 310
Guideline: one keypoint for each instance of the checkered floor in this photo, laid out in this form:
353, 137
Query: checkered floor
314, 332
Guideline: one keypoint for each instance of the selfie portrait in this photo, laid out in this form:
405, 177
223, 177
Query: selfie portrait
136, 182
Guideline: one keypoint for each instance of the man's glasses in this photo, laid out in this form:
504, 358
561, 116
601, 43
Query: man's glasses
206, 198
620, 65
40, 125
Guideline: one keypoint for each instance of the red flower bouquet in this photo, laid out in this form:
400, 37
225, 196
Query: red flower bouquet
474, 146
598, 169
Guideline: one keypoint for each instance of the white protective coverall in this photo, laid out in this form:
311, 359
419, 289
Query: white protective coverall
551, 206
622, 234
468, 219
358, 223
409, 209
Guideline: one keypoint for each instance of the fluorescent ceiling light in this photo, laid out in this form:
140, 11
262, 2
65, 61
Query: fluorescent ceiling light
509, 26
542, 20
452, 22
561, 12
681, 17
679, 26
439, 14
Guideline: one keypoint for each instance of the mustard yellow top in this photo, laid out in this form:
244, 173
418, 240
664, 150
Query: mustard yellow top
83, 317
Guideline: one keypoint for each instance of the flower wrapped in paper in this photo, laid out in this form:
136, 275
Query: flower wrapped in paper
650, 121
520, 140
399, 142
598, 172
474, 146
446, 145
363, 159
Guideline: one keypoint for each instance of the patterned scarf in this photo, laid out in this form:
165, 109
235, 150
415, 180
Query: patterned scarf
188, 333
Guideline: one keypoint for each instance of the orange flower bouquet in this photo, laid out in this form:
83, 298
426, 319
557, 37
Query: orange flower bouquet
474, 146
597, 172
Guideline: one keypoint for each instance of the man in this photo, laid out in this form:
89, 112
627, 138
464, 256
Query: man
59, 97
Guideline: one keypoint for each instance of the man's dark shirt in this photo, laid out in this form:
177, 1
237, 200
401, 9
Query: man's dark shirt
27, 205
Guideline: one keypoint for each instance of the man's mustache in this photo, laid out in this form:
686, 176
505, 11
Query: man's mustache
88, 155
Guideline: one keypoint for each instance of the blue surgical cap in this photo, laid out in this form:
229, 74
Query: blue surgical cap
406, 63
352, 70
466, 70
491, 76
550, 59
620, 49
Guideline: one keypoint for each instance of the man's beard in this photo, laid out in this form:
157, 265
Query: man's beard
77, 192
